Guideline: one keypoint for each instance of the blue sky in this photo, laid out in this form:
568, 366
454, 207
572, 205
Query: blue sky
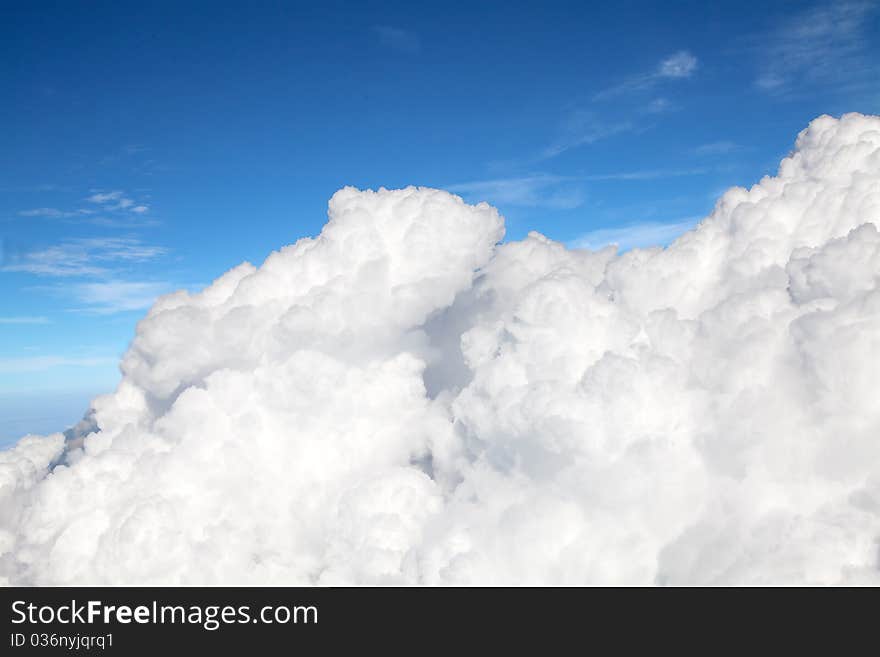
150, 146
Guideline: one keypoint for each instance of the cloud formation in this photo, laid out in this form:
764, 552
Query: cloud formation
553, 191
580, 129
115, 208
403, 400
824, 45
116, 200
540, 190
677, 66
82, 256
94, 272
650, 233
398, 39
24, 319
114, 296
659, 106
717, 148
54, 213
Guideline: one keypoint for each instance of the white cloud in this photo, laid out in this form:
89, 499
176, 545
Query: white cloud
678, 66
106, 197
116, 201
405, 400
397, 38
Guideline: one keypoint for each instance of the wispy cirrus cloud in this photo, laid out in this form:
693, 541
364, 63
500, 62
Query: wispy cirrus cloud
55, 213
583, 126
114, 296
82, 257
635, 235
659, 106
97, 271
396, 38
554, 191
114, 208
106, 197
677, 66
117, 200
580, 129
723, 147
647, 174
825, 45
540, 190
25, 319
129, 222
28, 189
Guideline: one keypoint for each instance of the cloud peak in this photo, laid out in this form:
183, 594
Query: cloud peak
406, 399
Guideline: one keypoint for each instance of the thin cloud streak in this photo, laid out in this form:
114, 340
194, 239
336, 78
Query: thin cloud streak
122, 208
679, 65
639, 235
650, 174
825, 45
398, 39
115, 296
717, 148
116, 201
659, 106
83, 257
552, 191
54, 213
529, 191
24, 320
581, 132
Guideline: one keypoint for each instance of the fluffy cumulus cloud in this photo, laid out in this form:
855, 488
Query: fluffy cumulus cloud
403, 399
